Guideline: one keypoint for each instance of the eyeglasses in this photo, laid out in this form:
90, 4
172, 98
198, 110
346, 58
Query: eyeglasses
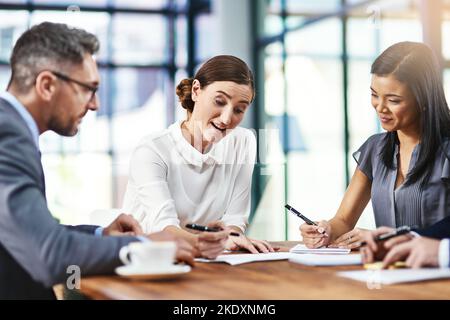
82, 84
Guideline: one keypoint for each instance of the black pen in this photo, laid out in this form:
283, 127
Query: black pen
308, 221
199, 227
388, 235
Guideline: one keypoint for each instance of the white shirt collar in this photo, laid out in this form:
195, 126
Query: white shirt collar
215, 155
19, 107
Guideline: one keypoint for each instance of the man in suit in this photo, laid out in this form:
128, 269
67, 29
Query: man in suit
53, 85
427, 247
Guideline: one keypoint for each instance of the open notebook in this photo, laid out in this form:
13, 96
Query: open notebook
301, 248
235, 259
326, 259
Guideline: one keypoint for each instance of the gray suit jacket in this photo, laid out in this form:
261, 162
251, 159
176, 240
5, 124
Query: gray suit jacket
440, 230
35, 250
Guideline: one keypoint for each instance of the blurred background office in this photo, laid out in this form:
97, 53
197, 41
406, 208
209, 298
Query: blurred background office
312, 65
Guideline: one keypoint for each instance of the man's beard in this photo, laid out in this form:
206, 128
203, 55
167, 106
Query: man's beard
68, 130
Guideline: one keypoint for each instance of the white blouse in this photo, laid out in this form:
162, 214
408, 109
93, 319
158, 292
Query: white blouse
172, 183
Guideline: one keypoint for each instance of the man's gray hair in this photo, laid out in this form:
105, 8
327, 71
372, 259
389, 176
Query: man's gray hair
51, 46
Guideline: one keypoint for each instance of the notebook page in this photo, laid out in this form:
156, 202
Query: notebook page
301, 248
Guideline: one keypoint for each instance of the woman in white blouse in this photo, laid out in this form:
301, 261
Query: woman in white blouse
200, 170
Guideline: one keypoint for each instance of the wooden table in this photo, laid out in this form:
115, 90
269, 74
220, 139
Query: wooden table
259, 280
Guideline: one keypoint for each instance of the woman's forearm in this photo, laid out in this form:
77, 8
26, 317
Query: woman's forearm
355, 200
236, 229
178, 232
338, 228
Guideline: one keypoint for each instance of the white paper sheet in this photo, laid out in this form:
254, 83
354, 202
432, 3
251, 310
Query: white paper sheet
235, 259
301, 248
326, 259
396, 275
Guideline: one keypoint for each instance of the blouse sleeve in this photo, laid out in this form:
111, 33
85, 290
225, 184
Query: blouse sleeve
148, 176
366, 155
238, 211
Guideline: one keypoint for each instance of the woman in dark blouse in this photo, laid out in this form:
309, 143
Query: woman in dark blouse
406, 170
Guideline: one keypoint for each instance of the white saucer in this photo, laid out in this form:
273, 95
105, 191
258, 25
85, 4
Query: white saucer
142, 273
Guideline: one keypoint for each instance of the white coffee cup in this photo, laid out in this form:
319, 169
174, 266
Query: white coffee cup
158, 255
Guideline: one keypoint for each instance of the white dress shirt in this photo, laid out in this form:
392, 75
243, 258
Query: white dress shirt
171, 183
444, 261
443, 254
25, 114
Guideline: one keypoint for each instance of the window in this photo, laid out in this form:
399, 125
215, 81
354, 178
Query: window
143, 50
306, 75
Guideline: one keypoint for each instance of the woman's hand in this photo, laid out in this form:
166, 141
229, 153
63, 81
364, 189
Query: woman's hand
351, 239
316, 236
211, 244
184, 252
252, 245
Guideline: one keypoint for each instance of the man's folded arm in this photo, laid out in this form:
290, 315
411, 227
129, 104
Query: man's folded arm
439, 230
45, 248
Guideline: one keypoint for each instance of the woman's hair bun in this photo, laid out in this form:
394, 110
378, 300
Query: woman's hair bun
183, 91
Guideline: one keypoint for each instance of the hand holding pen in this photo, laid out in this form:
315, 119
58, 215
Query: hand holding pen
199, 227
388, 234
315, 235
238, 241
210, 243
378, 242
